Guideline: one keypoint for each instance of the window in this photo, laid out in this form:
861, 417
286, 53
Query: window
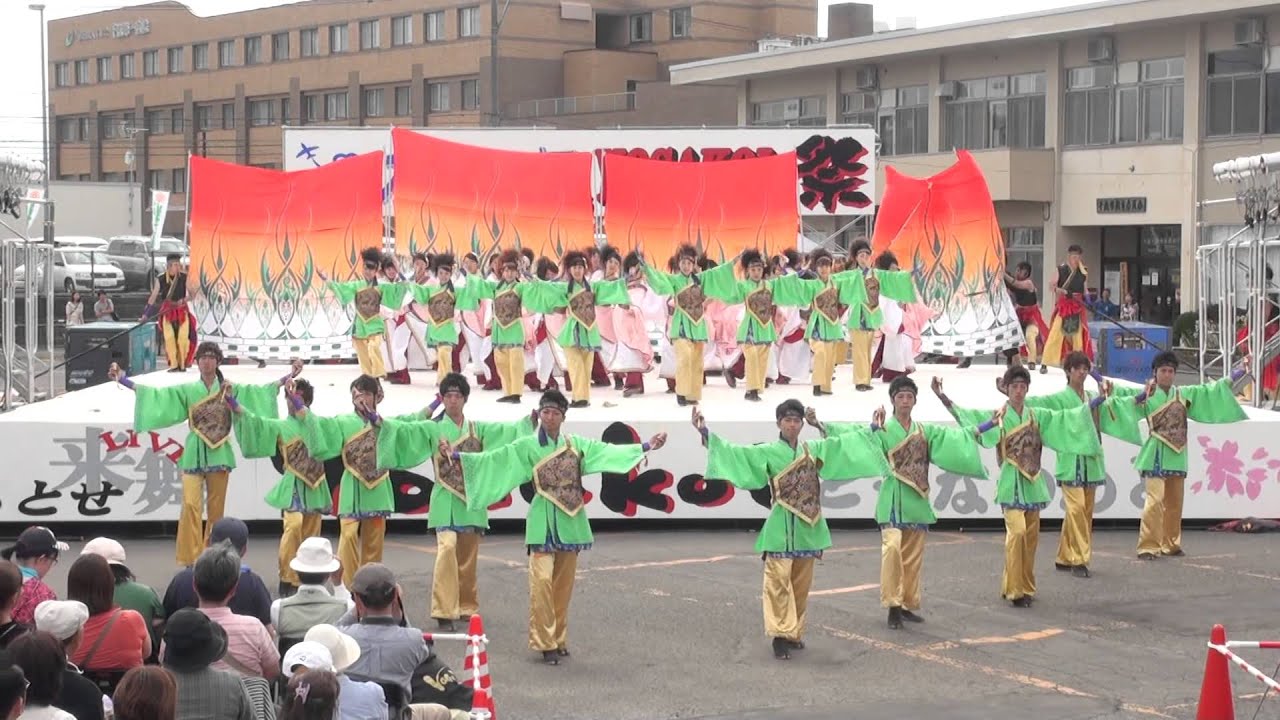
104, 70
1149, 101
370, 37
312, 108
470, 94
157, 179
401, 31
996, 112
200, 56
82, 72
903, 120
262, 113
335, 106
286, 110
204, 117
468, 22
83, 128
110, 126
279, 47
434, 26
226, 53
1025, 244
67, 128
859, 108
157, 124
309, 42
373, 106
641, 25
62, 75
338, 39
796, 112
1235, 92
228, 116
176, 121
150, 63
1090, 112
175, 60
253, 50
404, 103
179, 183
127, 71
438, 93
681, 22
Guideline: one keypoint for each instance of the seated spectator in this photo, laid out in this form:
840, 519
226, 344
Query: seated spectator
35, 553
356, 700
147, 693
311, 695
13, 689
80, 696
252, 597
114, 639
129, 593
193, 642
304, 656
10, 593
43, 662
314, 603
250, 650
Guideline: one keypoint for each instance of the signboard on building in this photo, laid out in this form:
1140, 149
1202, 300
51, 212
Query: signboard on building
114, 31
1122, 206
835, 171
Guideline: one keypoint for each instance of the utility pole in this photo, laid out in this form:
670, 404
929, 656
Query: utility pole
495, 23
47, 209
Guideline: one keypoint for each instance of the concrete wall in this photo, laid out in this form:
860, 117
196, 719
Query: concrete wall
96, 209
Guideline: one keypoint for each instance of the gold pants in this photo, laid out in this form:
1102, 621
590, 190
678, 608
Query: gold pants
453, 581
369, 353
551, 577
688, 368
177, 341
359, 543
1021, 537
444, 361
297, 527
824, 362
1032, 334
1058, 341
786, 596
580, 361
861, 342
509, 362
193, 531
843, 349
901, 557
756, 359
1075, 543
1161, 528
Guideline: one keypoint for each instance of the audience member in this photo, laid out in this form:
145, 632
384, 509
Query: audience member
43, 662
251, 598
147, 693
115, 639
311, 695
13, 689
10, 593
250, 650
307, 655
104, 309
80, 696
192, 642
35, 553
357, 700
129, 593
316, 602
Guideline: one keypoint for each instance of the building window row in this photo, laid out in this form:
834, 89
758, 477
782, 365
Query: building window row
796, 112
172, 179
640, 25
899, 115
1243, 91
995, 112
1131, 102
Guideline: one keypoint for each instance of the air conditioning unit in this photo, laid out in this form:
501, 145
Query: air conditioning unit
791, 110
1102, 49
1249, 31
867, 77
948, 90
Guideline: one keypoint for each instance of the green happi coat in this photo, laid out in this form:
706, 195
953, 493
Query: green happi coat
825, 311
443, 331
503, 336
580, 329
263, 438
788, 532
326, 438
894, 284
682, 326
1063, 431
1165, 450
392, 296
901, 504
404, 445
760, 298
1117, 417
491, 475
162, 407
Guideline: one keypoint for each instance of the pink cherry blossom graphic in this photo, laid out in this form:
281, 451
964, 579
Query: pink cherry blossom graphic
1224, 468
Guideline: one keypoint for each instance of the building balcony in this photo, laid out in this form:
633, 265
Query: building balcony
551, 107
1013, 174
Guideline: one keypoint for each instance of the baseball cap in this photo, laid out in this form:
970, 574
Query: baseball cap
343, 649
232, 529
373, 579
309, 654
110, 550
61, 618
35, 541
314, 555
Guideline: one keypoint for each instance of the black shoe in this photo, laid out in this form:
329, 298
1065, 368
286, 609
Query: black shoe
895, 618
1148, 556
617, 383
1176, 553
796, 644
1022, 602
1044, 369
862, 388
1081, 571
176, 369
1031, 366
781, 648
911, 617
1062, 568
509, 399
550, 657
562, 652
445, 625
632, 392
753, 395
682, 400
729, 378
579, 404
817, 391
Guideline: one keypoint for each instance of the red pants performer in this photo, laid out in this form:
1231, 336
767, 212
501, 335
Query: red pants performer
1069, 330
178, 328
1034, 330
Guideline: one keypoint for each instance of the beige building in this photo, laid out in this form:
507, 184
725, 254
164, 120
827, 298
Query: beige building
153, 83
1096, 125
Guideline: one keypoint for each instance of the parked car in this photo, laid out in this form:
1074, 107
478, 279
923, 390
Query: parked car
78, 269
140, 263
80, 241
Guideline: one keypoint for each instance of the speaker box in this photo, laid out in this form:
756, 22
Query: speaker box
93, 346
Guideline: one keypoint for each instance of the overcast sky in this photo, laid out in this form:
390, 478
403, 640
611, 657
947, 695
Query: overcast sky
20, 111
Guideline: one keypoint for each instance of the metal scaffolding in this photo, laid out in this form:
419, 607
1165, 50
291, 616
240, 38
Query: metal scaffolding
20, 362
1238, 289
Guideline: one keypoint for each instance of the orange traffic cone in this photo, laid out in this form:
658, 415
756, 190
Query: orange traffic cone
483, 701
476, 665
1216, 700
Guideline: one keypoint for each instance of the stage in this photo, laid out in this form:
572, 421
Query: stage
75, 458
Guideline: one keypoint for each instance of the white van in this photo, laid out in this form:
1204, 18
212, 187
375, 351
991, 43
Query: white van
77, 268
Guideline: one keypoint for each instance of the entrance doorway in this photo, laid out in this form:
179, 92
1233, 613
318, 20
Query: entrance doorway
1145, 262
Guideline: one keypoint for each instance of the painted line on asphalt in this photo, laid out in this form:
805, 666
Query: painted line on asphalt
430, 550
843, 590
1184, 706
997, 640
661, 563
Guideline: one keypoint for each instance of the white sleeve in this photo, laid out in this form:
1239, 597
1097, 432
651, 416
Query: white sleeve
275, 613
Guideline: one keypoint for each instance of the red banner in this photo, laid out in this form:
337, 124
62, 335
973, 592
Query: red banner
258, 238
721, 208
465, 198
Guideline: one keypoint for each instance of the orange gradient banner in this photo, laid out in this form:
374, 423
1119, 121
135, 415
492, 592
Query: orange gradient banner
722, 208
259, 240
452, 197
944, 229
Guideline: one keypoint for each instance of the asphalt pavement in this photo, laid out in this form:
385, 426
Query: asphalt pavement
667, 624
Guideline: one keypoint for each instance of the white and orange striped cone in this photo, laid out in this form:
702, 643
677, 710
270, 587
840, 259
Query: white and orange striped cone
476, 668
